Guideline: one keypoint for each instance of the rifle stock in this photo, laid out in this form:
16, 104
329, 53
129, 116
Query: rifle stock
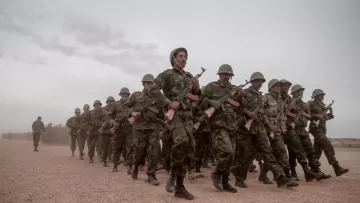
132, 120
249, 123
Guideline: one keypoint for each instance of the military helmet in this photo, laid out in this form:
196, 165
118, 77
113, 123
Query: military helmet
317, 92
225, 68
97, 102
296, 88
272, 83
110, 98
77, 110
283, 81
257, 76
148, 78
124, 90
86, 106
173, 52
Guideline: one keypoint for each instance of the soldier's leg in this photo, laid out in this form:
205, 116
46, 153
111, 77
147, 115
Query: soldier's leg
98, 145
36, 137
81, 144
152, 155
280, 153
224, 153
140, 138
73, 144
110, 151
292, 163
329, 151
129, 147
200, 142
91, 145
117, 146
105, 139
243, 154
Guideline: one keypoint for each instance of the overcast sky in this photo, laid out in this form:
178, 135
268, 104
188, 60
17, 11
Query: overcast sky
58, 55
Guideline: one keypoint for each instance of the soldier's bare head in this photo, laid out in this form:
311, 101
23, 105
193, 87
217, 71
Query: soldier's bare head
179, 60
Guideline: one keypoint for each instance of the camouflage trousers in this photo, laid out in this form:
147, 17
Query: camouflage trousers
146, 146
202, 144
307, 145
251, 145
279, 150
118, 144
81, 142
128, 152
183, 147
36, 138
98, 146
165, 153
74, 139
224, 151
92, 140
106, 142
322, 143
295, 147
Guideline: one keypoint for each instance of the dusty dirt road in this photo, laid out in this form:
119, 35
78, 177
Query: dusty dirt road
51, 175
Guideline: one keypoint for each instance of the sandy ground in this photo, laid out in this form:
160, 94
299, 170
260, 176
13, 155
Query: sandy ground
51, 175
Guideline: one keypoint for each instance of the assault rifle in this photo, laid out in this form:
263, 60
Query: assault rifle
185, 93
324, 112
149, 107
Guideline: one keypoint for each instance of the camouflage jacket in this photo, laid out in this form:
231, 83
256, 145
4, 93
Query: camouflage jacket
250, 102
317, 108
74, 124
287, 100
274, 107
301, 108
150, 116
85, 121
227, 116
97, 117
172, 82
119, 114
37, 126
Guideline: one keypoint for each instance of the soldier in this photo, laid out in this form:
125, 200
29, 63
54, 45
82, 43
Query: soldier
147, 113
74, 124
223, 124
128, 130
97, 117
301, 122
172, 82
291, 138
105, 132
321, 142
37, 127
84, 126
256, 137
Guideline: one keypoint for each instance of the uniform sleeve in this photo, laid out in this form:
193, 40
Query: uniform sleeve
131, 101
42, 126
266, 113
155, 90
203, 99
69, 123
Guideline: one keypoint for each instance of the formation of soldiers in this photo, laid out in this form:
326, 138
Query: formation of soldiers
230, 125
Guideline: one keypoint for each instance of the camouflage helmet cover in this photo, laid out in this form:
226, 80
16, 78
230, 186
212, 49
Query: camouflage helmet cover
97, 102
317, 92
173, 52
110, 98
283, 81
148, 78
272, 83
225, 68
257, 76
86, 106
124, 90
77, 110
296, 88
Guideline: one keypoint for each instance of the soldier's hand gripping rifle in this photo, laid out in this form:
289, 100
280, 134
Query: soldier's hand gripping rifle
292, 115
276, 122
148, 106
256, 111
185, 93
210, 111
324, 112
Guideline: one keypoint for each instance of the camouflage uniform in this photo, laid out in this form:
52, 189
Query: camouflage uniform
321, 142
37, 126
127, 131
74, 124
97, 117
172, 82
106, 134
145, 133
84, 126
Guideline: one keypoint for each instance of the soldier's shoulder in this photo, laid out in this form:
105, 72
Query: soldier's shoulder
137, 93
188, 74
213, 83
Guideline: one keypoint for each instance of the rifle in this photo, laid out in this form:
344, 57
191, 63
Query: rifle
142, 111
277, 120
288, 113
256, 111
326, 109
210, 111
185, 93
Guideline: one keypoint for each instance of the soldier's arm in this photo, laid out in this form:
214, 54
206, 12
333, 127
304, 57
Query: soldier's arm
155, 90
69, 123
130, 103
266, 114
42, 126
33, 126
315, 111
204, 98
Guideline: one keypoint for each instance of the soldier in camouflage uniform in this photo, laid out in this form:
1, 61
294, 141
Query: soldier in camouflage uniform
84, 126
291, 139
321, 142
172, 82
97, 117
105, 132
74, 124
223, 124
255, 140
302, 112
37, 127
147, 113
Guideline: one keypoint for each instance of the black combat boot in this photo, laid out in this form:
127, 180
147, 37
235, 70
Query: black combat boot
294, 174
170, 183
282, 181
339, 170
91, 160
129, 169
135, 172
180, 190
318, 170
115, 169
226, 186
217, 182
309, 175
152, 180
263, 176
105, 163
240, 183
287, 173
261, 164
